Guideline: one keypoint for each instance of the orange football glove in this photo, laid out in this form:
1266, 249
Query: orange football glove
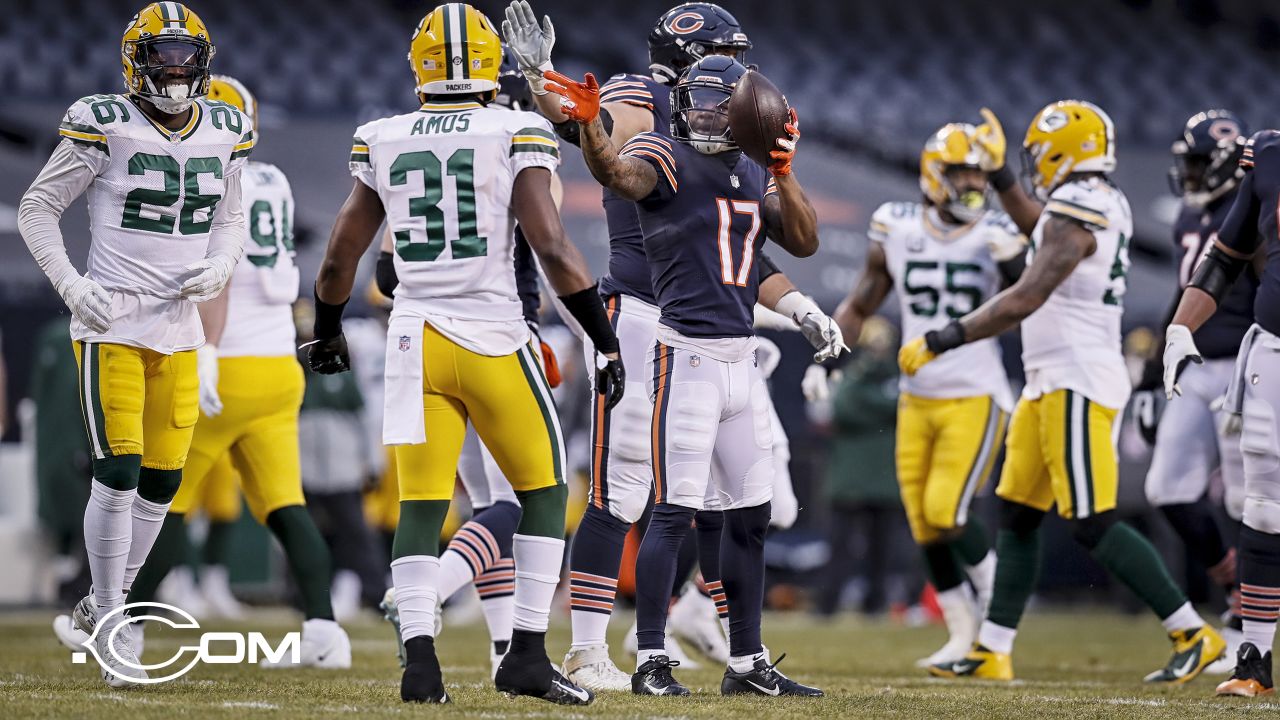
782, 158
578, 100
550, 365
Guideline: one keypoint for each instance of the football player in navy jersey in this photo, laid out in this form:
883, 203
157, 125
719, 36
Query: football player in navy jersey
621, 469
1253, 393
705, 210
1193, 436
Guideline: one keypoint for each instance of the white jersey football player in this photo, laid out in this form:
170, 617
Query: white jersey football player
161, 170
1061, 446
944, 257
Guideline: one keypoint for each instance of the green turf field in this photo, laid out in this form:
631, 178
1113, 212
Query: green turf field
1075, 666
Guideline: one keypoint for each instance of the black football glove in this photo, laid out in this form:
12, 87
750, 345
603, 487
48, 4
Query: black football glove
611, 381
328, 356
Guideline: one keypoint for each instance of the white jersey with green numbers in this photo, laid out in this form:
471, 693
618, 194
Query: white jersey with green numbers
1073, 340
942, 272
445, 175
264, 285
151, 207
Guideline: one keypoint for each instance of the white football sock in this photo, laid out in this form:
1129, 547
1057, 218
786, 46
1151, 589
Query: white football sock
743, 663
455, 572
644, 656
538, 562
107, 532
497, 598
959, 612
1261, 634
1184, 618
148, 517
983, 577
414, 577
997, 638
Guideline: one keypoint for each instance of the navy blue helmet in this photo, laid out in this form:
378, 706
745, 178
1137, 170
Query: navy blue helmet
1206, 157
687, 33
513, 89
700, 104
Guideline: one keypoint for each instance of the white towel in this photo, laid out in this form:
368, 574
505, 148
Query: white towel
402, 409
1234, 401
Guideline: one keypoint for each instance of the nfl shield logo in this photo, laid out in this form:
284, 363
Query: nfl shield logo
404, 343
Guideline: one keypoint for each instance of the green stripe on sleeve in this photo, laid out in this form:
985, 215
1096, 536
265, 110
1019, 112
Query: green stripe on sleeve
533, 148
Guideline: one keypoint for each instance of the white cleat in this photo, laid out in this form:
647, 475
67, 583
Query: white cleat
961, 616
179, 590
72, 637
1226, 664
215, 587
325, 645
675, 653
120, 665
693, 619
591, 668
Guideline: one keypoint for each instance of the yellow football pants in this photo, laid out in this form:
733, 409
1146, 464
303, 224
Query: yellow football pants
1061, 449
220, 490
382, 504
506, 398
946, 448
138, 401
258, 428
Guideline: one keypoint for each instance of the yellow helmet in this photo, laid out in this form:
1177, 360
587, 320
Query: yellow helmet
953, 145
455, 51
1069, 136
231, 91
163, 36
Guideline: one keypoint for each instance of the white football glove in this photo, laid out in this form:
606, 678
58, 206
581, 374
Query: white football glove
207, 370
530, 43
816, 384
1179, 349
207, 278
820, 330
88, 302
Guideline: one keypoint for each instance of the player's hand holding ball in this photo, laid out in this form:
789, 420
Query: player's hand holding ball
578, 100
786, 147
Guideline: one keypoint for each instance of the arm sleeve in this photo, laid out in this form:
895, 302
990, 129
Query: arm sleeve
534, 145
240, 153
361, 159
228, 232
64, 178
81, 132
1239, 230
658, 152
765, 267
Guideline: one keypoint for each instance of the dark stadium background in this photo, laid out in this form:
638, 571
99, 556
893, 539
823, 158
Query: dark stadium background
871, 80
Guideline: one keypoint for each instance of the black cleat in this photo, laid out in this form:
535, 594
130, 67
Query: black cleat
764, 679
532, 675
1252, 676
422, 681
655, 678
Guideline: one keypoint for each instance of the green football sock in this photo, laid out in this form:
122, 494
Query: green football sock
542, 511
941, 566
217, 543
418, 533
1131, 558
973, 544
169, 551
308, 558
1017, 571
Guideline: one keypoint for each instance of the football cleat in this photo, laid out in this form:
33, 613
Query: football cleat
1252, 676
631, 646
980, 663
72, 637
962, 620
1227, 663
120, 665
422, 681
592, 669
1193, 651
654, 678
765, 679
391, 613
533, 675
693, 619
325, 645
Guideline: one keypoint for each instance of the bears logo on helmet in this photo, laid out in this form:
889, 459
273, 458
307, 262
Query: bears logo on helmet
1206, 157
687, 33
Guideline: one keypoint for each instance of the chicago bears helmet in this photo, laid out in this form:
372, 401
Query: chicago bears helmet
1206, 157
687, 33
700, 104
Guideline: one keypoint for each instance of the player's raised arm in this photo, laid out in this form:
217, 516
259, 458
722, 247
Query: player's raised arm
790, 220
532, 42
1021, 207
873, 286
629, 177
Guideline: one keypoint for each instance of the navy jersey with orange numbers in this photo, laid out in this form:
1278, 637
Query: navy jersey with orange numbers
1221, 334
1252, 223
628, 268
703, 225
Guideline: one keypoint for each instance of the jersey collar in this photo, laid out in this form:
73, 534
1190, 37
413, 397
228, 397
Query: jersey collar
186, 131
448, 107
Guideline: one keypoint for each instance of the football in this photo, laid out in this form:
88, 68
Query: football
758, 113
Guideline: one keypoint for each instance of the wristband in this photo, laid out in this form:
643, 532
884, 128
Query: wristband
586, 307
948, 338
384, 274
1002, 179
796, 305
328, 322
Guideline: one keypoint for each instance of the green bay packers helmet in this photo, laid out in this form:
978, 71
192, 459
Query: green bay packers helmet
1069, 136
952, 146
455, 51
166, 52
224, 88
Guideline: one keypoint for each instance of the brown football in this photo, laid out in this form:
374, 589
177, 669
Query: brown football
758, 114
